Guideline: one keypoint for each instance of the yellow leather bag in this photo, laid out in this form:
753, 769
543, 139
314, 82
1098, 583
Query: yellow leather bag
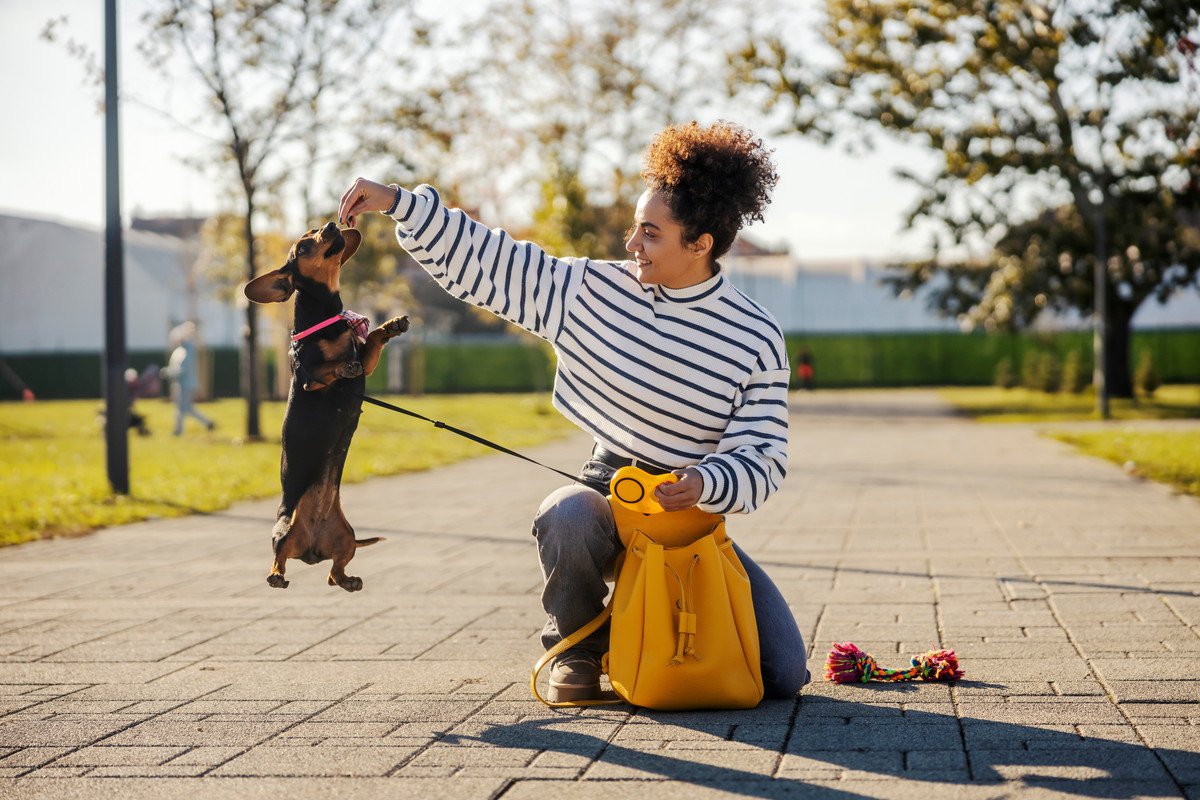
683, 632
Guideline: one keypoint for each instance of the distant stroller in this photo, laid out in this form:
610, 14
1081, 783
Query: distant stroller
147, 384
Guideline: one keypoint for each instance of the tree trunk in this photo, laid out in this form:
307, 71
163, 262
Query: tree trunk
1102, 301
1116, 347
250, 342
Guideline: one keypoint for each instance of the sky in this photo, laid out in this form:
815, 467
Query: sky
828, 205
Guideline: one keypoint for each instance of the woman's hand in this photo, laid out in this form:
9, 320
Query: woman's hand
683, 493
365, 196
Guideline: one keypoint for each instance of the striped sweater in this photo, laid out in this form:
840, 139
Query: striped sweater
676, 377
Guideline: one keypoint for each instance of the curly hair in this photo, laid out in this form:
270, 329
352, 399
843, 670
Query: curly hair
715, 180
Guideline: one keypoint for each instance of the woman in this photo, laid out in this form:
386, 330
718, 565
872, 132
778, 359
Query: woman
660, 359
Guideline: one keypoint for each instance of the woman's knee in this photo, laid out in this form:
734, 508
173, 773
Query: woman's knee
781, 645
572, 511
785, 677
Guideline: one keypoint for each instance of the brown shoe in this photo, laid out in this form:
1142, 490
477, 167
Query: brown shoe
575, 676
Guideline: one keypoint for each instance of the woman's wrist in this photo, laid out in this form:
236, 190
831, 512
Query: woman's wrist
395, 200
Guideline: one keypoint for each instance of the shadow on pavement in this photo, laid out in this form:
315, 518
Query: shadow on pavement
830, 735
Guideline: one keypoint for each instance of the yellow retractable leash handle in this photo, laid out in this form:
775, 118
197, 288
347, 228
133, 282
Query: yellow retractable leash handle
634, 489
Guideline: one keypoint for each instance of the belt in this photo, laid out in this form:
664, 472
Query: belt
605, 456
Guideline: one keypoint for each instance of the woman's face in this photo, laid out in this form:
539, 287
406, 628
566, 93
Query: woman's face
656, 243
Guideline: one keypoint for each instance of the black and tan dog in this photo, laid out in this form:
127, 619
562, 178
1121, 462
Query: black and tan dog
332, 354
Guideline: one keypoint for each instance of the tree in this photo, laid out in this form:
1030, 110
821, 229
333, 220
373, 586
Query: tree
1068, 141
548, 105
267, 69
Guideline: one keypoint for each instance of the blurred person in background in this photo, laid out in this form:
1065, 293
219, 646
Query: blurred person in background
184, 371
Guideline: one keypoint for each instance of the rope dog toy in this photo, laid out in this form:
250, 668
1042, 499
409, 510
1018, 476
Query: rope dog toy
847, 664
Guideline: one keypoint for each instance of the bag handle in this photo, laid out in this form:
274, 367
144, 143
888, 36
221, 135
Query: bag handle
566, 644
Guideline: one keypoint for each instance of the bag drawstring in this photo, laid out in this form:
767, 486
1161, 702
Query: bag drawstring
685, 645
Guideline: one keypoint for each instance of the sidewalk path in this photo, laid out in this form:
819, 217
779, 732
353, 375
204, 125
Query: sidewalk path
152, 660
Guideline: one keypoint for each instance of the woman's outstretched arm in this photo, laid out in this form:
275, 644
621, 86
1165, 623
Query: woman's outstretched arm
515, 280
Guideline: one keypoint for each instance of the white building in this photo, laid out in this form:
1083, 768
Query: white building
847, 296
52, 299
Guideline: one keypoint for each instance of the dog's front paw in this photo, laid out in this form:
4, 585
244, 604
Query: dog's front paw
396, 326
277, 581
351, 369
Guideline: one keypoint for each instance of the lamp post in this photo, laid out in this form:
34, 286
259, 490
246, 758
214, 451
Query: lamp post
116, 403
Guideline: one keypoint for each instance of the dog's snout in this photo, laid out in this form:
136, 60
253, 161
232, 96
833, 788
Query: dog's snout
329, 230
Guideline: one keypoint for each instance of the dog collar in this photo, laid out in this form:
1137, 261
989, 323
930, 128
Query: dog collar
358, 323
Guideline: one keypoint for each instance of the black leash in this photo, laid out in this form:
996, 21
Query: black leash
460, 432
439, 424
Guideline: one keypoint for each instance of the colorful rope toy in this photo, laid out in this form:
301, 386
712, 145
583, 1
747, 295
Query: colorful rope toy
847, 664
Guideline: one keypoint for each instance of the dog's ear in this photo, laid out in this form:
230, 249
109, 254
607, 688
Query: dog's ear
353, 240
271, 287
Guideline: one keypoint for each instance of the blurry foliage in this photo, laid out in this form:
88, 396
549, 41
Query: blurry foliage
1049, 373
551, 103
1075, 376
276, 76
1147, 376
1005, 377
222, 258
566, 220
1067, 131
1030, 365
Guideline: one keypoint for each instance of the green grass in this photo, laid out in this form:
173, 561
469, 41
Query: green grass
988, 404
52, 456
1168, 456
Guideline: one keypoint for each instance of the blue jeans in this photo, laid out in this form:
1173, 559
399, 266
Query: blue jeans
185, 407
578, 547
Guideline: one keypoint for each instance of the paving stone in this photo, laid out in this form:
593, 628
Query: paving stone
1157, 690
102, 756
1078, 763
454, 756
899, 736
26, 757
272, 759
1072, 688
698, 765
147, 771
1184, 765
338, 729
197, 732
1063, 711
1184, 712
1109, 733
22, 733
835, 766
205, 756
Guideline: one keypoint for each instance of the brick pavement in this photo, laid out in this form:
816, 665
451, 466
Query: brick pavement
152, 660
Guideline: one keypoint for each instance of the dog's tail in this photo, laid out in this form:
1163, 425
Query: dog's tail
365, 542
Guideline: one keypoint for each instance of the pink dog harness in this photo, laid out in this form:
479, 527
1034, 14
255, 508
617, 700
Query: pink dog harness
358, 324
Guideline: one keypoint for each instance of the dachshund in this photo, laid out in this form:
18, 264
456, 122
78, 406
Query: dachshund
332, 353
